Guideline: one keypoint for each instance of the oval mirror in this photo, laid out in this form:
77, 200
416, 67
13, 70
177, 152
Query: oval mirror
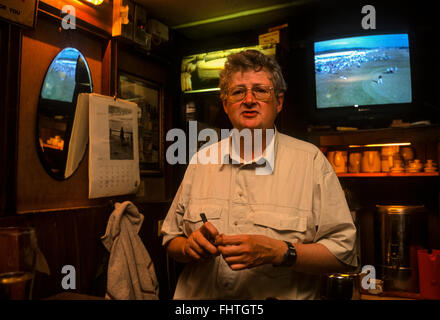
68, 75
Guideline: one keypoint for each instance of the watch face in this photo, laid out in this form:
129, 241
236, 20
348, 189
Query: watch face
290, 256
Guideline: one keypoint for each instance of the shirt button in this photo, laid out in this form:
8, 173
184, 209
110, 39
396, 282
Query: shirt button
235, 223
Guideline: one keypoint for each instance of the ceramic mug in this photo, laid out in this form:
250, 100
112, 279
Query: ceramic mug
330, 157
398, 165
340, 161
354, 162
407, 153
370, 161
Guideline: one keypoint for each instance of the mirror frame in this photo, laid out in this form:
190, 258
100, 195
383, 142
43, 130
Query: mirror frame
67, 105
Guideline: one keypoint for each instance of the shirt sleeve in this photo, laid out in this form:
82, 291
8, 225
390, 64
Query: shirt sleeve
172, 226
335, 229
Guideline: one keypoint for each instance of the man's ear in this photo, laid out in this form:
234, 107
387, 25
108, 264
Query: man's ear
280, 101
224, 106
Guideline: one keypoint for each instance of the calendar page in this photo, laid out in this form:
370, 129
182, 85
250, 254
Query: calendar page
114, 148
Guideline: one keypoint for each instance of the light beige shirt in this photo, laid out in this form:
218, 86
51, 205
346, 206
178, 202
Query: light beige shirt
301, 201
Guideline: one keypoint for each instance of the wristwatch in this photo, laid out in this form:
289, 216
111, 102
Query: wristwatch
289, 258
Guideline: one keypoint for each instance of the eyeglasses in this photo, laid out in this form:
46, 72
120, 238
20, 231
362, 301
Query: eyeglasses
260, 92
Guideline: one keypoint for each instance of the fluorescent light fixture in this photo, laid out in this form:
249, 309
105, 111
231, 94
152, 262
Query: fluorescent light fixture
95, 2
380, 145
202, 90
238, 15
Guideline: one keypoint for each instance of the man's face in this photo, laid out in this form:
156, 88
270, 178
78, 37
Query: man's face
250, 112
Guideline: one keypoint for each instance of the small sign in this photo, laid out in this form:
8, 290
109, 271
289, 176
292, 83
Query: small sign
21, 12
271, 37
278, 27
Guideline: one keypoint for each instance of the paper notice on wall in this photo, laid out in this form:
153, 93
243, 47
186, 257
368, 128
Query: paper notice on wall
271, 37
22, 12
114, 148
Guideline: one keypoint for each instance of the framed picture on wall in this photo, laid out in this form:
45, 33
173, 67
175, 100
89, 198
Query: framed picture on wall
149, 97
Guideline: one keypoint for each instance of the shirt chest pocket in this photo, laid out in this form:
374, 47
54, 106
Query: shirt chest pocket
193, 221
282, 226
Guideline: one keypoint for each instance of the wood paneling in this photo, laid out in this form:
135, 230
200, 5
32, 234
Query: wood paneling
132, 60
36, 190
99, 16
68, 224
10, 47
73, 237
415, 135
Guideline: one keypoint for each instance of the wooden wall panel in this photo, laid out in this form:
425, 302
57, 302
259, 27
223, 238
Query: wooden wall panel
99, 16
139, 63
74, 237
10, 48
36, 190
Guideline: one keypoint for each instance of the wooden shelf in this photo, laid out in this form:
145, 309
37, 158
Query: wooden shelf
396, 295
415, 135
387, 174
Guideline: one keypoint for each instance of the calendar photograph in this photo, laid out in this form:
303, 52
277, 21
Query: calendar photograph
113, 149
149, 98
120, 133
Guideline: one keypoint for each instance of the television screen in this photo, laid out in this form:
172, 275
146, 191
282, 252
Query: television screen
363, 71
200, 72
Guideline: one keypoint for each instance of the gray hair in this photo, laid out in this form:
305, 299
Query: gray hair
251, 60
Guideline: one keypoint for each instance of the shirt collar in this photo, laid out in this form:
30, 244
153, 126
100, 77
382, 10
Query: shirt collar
265, 163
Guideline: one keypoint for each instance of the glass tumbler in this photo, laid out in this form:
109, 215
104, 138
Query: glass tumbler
18, 248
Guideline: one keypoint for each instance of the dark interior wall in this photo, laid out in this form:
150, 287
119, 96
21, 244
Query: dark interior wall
321, 20
71, 236
10, 42
327, 20
68, 224
36, 190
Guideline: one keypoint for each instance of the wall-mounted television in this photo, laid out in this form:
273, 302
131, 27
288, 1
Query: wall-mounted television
200, 72
364, 77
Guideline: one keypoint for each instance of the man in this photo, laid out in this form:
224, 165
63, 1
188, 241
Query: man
267, 235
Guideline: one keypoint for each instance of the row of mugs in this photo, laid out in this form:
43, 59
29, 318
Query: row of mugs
368, 161
371, 161
356, 161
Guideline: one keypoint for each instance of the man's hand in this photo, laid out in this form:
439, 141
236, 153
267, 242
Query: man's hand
198, 246
248, 251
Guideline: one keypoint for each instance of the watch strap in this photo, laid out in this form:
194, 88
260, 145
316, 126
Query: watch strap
289, 257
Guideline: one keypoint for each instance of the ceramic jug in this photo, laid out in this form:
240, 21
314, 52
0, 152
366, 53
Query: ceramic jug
330, 157
370, 161
338, 160
354, 162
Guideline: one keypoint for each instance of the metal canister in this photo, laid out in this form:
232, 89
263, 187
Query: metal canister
400, 231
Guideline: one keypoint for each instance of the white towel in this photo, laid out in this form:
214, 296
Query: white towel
130, 274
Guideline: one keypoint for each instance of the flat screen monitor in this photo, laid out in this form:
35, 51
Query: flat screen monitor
369, 70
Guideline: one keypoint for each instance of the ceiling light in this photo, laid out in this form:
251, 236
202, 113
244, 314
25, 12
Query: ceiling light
95, 2
381, 145
237, 15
